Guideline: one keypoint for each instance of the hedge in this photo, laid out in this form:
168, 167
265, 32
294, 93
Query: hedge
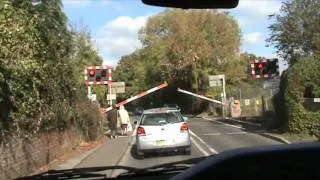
302, 81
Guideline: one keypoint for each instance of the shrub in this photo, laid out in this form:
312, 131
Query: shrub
300, 82
89, 120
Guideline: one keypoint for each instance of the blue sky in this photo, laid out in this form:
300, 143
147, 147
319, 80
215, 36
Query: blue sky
114, 24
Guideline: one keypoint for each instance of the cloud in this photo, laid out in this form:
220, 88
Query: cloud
261, 8
252, 38
76, 3
244, 21
250, 13
119, 37
105, 2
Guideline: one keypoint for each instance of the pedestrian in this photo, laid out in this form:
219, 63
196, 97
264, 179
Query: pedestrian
124, 119
113, 118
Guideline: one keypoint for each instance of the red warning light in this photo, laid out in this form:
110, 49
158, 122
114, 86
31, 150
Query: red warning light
260, 66
92, 72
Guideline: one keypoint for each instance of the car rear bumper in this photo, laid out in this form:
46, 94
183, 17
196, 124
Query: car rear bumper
146, 145
163, 149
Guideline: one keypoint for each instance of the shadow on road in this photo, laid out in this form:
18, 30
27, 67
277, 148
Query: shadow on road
134, 154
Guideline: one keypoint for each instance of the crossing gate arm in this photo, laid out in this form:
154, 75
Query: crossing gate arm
200, 96
137, 96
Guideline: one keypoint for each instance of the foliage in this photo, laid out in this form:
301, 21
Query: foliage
40, 67
183, 47
296, 31
88, 120
302, 82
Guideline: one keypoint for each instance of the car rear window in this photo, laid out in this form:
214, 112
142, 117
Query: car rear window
161, 118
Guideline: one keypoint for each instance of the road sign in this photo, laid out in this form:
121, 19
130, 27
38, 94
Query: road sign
216, 80
316, 100
117, 87
113, 96
247, 102
92, 97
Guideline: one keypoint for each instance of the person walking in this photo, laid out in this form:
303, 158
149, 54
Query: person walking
124, 119
113, 118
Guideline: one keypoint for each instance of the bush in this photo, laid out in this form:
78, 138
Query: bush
89, 120
300, 82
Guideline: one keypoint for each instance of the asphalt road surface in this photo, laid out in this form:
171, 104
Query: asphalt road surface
208, 138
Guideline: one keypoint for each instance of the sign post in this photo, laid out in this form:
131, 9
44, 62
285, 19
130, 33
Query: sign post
217, 81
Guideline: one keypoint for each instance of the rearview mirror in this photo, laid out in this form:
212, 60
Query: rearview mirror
192, 4
185, 118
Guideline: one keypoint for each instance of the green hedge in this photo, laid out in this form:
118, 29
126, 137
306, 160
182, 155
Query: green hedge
300, 82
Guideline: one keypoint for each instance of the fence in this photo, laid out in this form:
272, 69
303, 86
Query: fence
254, 102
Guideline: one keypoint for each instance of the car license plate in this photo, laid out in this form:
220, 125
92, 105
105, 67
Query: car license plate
160, 142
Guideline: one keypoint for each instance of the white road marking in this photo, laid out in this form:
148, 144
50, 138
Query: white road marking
237, 133
238, 127
212, 134
213, 151
199, 147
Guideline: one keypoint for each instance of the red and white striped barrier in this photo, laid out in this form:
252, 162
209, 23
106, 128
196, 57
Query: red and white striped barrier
136, 97
86, 70
200, 96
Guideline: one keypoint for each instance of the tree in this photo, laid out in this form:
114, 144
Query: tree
191, 44
296, 31
183, 47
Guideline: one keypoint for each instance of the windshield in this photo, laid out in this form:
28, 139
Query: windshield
161, 118
78, 78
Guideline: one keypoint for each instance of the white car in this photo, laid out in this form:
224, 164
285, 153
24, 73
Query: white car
162, 129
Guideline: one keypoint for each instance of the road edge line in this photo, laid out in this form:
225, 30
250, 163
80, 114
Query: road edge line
204, 152
267, 135
275, 137
212, 150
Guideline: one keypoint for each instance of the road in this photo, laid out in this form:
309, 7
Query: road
208, 138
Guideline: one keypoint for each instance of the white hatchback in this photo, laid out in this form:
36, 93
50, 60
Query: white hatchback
162, 129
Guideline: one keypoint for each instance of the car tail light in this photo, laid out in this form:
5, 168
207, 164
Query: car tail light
184, 127
141, 131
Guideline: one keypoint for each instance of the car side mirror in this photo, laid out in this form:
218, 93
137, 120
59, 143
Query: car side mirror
135, 122
185, 119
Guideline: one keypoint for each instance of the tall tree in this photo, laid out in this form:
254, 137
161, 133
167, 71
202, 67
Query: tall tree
296, 31
190, 44
182, 47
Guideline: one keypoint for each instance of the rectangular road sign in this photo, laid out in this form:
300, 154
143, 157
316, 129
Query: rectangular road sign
117, 87
316, 100
113, 96
216, 80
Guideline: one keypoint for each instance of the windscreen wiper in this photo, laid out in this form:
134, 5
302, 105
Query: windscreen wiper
78, 173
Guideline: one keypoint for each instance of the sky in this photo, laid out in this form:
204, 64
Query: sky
114, 24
